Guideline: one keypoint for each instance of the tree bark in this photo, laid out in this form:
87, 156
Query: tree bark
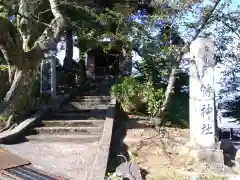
82, 69
170, 89
69, 50
18, 99
11, 68
68, 64
25, 55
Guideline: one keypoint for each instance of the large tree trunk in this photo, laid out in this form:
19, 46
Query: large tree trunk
24, 55
11, 69
82, 69
69, 50
68, 65
18, 99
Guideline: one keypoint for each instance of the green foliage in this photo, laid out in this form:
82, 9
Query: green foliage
127, 92
134, 95
101, 24
141, 96
152, 97
178, 111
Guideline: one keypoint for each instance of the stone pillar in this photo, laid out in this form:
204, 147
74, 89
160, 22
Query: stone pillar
48, 77
90, 67
53, 78
202, 123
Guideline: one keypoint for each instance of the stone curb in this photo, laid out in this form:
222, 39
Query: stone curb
101, 159
12, 135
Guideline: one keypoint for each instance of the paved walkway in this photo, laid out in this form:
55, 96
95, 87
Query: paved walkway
70, 160
66, 142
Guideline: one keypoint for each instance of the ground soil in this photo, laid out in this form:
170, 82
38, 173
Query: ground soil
159, 152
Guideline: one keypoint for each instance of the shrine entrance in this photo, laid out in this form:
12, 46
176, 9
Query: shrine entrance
104, 64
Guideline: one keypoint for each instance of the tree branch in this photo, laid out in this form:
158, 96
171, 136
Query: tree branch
50, 37
9, 63
10, 45
27, 56
172, 76
27, 27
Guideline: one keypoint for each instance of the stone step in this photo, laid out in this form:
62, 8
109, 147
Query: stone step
80, 111
97, 93
93, 97
95, 101
79, 118
74, 123
89, 102
80, 106
63, 138
67, 130
76, 116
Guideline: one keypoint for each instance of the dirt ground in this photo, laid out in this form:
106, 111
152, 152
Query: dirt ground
159, 153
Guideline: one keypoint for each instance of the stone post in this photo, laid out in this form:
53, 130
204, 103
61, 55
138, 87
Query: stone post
202, 123
53, 79
48, 77
90, 67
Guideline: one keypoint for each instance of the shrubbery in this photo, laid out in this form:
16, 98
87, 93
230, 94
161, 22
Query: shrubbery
143, 96
134, 95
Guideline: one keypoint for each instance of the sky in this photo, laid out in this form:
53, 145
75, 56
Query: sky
234, 4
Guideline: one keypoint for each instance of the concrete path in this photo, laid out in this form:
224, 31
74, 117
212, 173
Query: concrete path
68, 160
71, 142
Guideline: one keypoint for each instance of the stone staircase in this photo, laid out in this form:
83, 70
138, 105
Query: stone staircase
81, 119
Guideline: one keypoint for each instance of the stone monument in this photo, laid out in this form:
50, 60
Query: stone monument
48, 77
202, 123
202, 145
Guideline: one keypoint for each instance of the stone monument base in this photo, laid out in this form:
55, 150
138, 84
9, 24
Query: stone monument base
212, 154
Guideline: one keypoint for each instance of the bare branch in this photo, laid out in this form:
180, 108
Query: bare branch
27, 56
49, 38
172, 76
10, 46
54, 8
26, 26
205, 20
9, 63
